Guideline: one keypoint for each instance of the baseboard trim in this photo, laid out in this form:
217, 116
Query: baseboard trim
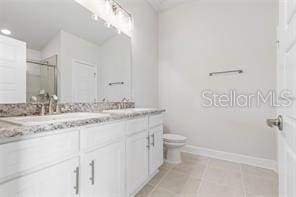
244, 159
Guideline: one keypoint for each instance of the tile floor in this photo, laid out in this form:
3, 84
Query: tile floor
200, 176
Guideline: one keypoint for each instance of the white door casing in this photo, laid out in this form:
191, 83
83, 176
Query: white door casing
12, 70
286, 80
84, 81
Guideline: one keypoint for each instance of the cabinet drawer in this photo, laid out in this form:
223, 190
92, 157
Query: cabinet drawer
137, 125
155, 120
100, 134
18, 157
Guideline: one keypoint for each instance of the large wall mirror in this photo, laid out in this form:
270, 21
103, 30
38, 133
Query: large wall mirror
67, 53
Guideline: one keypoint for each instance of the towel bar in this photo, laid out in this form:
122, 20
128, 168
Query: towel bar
228, 71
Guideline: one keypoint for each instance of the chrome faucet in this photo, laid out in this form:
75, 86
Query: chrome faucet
53, 99
123, 103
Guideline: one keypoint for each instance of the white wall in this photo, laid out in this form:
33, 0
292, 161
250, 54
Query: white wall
205, 36
115, 66
74, 48
52, 47
69, 47
33, 54
144, 52
112, 58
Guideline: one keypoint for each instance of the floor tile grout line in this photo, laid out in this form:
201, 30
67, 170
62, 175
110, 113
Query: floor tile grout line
166, 190
203, 177
160, 180
170, 170
243, 181
188, 178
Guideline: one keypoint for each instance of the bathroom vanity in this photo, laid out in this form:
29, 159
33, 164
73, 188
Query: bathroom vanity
112, 155
56, 81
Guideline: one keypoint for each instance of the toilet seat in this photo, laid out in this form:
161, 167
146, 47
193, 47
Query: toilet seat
168, 137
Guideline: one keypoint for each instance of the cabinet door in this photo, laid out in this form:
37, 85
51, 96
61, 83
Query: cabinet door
55, 181
103, 171
137, 161
156, 148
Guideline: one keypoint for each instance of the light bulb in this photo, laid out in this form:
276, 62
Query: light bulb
108, 7
6, 31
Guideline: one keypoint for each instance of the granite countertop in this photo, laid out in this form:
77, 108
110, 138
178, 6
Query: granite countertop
10, 132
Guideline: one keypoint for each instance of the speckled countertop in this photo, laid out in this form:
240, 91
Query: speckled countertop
10, 132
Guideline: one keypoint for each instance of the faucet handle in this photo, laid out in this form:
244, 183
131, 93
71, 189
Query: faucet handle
54, 97
33, 99
42, 110
124, 100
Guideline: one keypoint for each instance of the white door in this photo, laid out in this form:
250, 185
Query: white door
84, 82
12, 70
137, 161
287, 80
55, 181
156, 148
103, 171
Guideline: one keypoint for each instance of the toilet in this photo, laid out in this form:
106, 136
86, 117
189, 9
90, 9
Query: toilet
173, 144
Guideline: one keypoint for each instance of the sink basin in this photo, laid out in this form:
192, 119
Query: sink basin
36, 120
128, 111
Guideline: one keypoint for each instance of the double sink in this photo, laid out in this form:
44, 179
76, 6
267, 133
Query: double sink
38, 120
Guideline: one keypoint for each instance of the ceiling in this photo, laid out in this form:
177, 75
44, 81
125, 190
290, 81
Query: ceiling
37, 21
161, 5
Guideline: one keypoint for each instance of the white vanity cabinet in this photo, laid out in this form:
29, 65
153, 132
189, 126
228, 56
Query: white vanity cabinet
155, 148
57, 180
137, 161
103, 171
112, 159
103, 163
144, 150
42, 166
156, 143
137, 147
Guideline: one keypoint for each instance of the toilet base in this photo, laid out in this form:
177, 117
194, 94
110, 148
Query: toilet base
173, 155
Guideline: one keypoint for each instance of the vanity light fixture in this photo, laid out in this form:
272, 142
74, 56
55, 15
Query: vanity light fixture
114, 15
111, 12
6, 31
